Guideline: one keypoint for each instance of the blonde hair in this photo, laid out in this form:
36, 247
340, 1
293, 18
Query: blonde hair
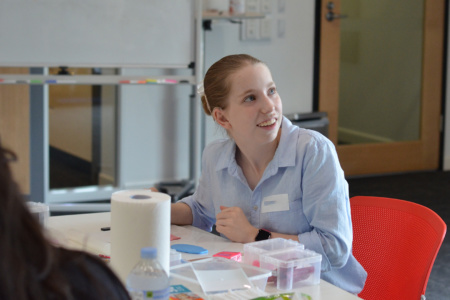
216, 85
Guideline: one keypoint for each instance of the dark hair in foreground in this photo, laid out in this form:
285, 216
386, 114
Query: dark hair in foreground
31, 267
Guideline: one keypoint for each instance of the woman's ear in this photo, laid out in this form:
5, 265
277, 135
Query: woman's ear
220, 117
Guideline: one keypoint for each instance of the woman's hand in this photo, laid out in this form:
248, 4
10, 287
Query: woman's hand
233, 223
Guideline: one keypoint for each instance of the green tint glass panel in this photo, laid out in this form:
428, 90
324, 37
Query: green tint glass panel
380, 71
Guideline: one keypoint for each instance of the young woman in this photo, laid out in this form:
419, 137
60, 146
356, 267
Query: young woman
270, 178
31, 267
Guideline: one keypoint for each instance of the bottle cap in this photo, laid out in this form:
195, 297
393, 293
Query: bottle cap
148, 252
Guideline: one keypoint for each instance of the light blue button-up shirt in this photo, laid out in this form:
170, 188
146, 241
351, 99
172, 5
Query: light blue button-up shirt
307, 169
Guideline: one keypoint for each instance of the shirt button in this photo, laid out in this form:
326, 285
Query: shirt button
255, 208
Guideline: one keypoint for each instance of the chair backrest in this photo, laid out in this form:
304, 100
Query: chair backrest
396, 241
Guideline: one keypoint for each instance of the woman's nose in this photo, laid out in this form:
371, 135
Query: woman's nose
267, 105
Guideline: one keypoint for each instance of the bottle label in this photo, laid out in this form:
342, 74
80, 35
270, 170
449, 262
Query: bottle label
146, 295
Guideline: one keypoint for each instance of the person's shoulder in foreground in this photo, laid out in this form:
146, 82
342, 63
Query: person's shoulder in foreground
89, 277
34, 268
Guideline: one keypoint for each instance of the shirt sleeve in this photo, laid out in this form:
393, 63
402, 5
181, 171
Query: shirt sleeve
326, 204
202, 207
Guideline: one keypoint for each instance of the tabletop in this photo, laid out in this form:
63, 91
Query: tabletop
89, 232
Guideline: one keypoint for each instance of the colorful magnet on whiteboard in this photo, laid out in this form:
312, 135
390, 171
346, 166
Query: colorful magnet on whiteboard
133, 81
170, 81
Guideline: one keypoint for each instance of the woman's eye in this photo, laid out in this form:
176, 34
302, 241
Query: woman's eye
249, 99
272, 91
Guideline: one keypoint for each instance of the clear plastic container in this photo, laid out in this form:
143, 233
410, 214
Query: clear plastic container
252, 251
220, 275
148, 280
257, 276
175, 257
184, 272
293, 267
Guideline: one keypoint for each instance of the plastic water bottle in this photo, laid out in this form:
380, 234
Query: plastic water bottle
148, 279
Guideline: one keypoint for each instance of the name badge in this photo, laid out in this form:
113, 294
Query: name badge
275, 203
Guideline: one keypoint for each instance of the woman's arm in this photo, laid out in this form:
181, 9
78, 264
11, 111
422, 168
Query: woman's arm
326, 205
233, 223
181, 214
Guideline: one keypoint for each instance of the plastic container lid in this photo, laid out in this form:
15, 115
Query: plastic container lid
292, 257
220, 275
258, 276
252, 251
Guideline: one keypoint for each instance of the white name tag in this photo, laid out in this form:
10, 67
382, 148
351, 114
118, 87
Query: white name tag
275, 203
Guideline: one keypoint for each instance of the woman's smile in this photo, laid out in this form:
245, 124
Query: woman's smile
267, 123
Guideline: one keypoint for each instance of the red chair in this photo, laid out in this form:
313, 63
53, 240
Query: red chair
396, 241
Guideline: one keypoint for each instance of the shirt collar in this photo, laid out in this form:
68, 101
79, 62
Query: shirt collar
227, 159
286, 152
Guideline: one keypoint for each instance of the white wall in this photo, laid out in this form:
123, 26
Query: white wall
290, 57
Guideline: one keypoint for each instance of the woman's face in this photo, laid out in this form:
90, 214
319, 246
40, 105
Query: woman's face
254, 109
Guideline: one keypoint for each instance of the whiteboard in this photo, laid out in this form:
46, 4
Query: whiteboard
96, 32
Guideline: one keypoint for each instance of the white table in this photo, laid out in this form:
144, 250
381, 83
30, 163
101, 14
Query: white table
83, 231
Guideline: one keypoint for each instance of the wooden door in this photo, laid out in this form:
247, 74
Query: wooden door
377, 153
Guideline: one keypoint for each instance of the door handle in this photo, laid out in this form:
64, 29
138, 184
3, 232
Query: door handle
330, 16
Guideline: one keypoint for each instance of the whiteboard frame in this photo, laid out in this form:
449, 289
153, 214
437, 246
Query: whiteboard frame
69, 199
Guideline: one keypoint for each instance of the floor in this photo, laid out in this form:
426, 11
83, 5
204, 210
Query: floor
431, 189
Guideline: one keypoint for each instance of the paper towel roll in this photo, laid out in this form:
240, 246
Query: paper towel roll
139, 218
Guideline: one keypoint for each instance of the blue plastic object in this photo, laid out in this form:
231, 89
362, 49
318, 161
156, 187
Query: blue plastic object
186, 248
